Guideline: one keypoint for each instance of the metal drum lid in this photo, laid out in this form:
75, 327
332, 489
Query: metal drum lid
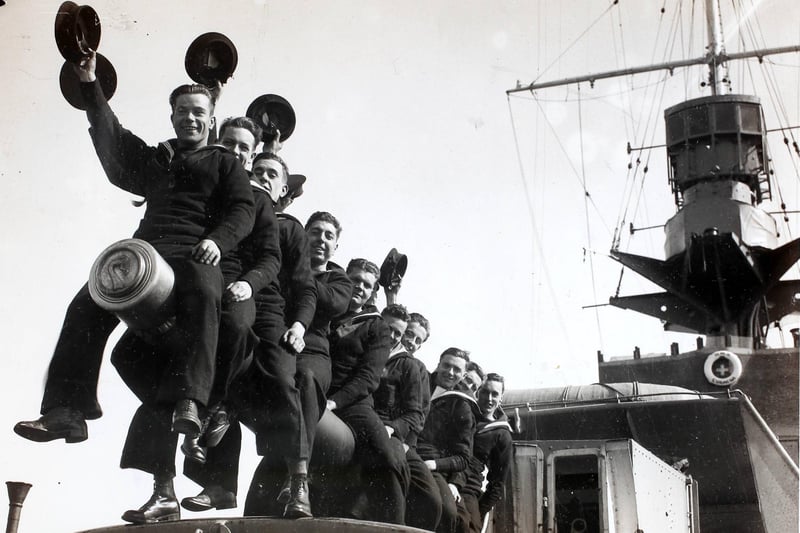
130, 279
121, 272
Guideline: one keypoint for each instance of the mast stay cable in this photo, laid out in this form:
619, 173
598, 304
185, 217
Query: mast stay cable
535, 229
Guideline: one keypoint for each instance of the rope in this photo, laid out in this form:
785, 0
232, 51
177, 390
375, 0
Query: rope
534, 228
578, 38
586, 215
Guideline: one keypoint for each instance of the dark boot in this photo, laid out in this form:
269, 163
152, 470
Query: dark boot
212, 497
192, 450
161, 507
215, 426
58, 423
186, 418
299, 505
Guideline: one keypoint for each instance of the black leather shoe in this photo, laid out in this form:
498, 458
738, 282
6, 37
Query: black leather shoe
213, 497
161, 507
185, 418
192, 450
217, 424
58, 423
299, 505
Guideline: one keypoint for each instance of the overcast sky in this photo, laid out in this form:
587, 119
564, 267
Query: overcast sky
406, 134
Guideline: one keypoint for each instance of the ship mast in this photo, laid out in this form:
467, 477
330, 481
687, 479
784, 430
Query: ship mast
715, 47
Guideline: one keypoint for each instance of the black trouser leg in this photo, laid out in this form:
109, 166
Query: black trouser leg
75, 366
424, 503
469, 515
222, 462
262, 496
271, 393
235, 344
449, 508
313, 378
382, 462
150, 444
193, 346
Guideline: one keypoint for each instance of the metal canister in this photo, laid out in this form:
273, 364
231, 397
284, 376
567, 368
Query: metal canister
131, 279
334, 443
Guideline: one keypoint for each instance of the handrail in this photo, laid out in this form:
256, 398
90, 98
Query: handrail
532, 405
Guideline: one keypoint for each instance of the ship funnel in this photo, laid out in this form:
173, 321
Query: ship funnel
17, 491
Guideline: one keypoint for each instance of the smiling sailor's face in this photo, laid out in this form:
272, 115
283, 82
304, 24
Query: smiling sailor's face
269, 173
450, 371
489, 397
240, 142
192, 119
322, 242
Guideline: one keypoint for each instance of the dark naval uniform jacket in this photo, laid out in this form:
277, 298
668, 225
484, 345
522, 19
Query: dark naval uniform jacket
402, 396
492, 449
359, 349
448, 433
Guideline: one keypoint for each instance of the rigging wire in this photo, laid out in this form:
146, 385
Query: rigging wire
656, 103
575, 172
649, 130
754, 31
588, 223
534, 228
630, 127
576, 40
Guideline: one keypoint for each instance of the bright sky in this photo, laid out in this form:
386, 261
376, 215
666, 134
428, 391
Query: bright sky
407, 136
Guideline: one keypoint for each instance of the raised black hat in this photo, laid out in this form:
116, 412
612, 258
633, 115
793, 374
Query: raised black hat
77, 29
210, 58
272, 112
71, 84
295, 185
393, 268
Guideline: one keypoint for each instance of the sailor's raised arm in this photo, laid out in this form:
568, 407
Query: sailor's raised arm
115, 146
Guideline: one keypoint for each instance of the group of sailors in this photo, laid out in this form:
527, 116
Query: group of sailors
269, 333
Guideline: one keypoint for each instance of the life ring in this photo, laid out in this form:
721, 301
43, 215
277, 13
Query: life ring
723, 368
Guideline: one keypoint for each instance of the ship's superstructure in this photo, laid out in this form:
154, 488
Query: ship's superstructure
723, 264
722, 279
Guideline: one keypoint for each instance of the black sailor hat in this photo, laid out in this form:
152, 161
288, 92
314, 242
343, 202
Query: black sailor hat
272, 112
77, 28
211, 57
71, 84
393, 268
295, 185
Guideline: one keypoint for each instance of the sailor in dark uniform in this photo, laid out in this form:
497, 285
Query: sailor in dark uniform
360, 343
334, 290
423, 502
150, 445
445, 443
199, 207
252, 267
266, 397
473, 378
313, 375
400, 402
491, 457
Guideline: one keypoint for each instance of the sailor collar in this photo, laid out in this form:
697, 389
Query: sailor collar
451, 393
497, 424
